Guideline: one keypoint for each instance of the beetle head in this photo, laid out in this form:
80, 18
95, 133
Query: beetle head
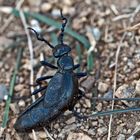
60, 50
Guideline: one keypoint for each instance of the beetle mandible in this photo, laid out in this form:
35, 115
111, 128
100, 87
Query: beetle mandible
61, 93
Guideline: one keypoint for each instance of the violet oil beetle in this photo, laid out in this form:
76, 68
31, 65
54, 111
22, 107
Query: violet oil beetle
61, 93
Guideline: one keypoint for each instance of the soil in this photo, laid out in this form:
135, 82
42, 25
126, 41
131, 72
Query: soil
108, 25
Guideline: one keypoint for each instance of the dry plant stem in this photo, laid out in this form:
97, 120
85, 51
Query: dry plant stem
31, 66
11, 17
39, 74
31, 58
48, 134
116, 65
132, 28
30, 50
120, 17
34, 135
114, 9
115, 82
134, 13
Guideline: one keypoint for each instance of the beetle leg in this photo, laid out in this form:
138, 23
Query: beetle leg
82, 94
45, 63
76, 66
38, 80
81, 74
77, 114
38, 90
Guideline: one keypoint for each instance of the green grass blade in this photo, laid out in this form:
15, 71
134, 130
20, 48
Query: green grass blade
114, 112
115, 99
12, 83
90, 61
56, 24
54, 39
78, 50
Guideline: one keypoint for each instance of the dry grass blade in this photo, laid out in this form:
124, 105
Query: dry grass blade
131, 19
31, 63
130, 29
115, 82
48, 134
30, 45
6, 113
31, 58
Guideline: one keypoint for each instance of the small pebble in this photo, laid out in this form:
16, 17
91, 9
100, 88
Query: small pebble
125, 59
121, 137
102, 131
96, 33
108, 94
56, 13
88, 83
137, 88
19, 87
99, 106
68, 2
102, 87
138, 70
33, 3
1, 64
129, 131
101, 121
56, 126
91, 132
67, 129
131, 65
124, 131
71, 120
35, 25
21, 103
42, 135
45, 7
88, 103
67, 112
94, 123
14, 108
125, 91
3, 92
78, 136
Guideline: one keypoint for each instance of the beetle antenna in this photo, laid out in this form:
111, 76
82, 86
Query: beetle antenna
39, 37
62, 27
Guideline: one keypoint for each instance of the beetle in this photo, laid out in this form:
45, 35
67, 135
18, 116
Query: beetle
61, 93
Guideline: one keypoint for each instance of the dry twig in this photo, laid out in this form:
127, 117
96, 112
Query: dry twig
116, 65
130, 29
31, 57
115, 82
31, 65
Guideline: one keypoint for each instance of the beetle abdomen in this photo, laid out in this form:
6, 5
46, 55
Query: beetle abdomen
36, 117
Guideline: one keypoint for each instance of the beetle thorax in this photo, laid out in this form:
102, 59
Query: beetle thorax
65, 63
